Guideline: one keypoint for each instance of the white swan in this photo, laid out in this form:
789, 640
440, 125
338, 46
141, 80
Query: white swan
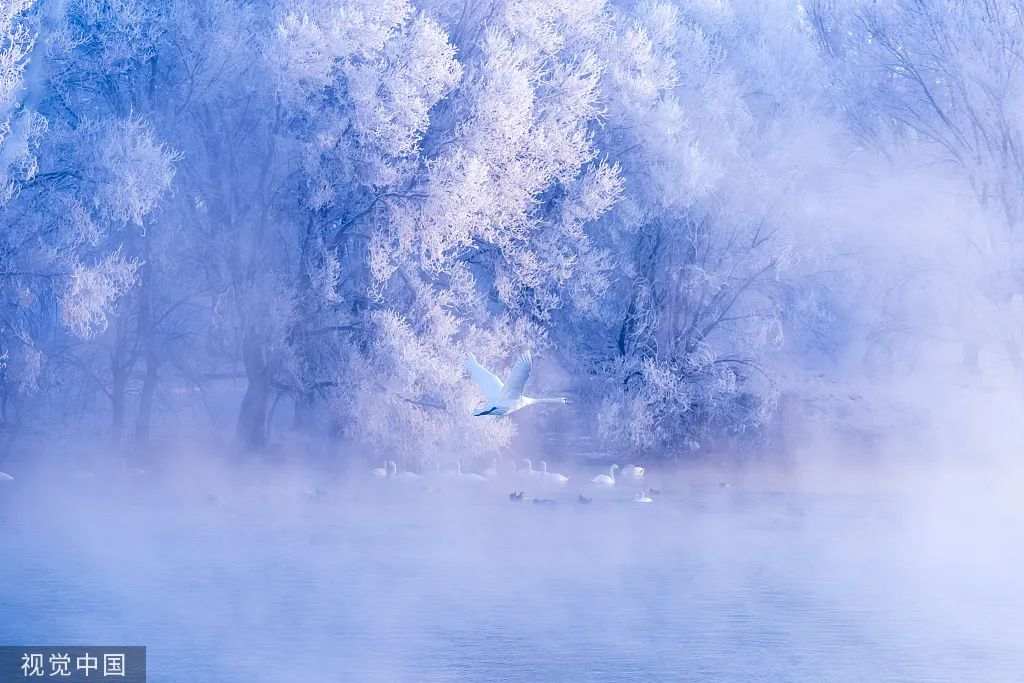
634, 471
530, 472
6, 477
468, 476
502, 399
606, 479
642, 497
381, 472
406, 475
553, 477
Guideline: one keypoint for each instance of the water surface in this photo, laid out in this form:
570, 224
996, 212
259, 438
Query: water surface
288, 580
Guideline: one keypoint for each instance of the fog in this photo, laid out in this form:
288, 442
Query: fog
770, 252
833, 570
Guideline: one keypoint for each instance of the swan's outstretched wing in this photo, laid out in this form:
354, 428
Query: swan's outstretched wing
484, 378
517, 377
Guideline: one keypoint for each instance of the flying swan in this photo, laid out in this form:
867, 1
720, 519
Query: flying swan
504, 398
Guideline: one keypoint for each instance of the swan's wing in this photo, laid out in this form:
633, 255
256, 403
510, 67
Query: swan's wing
484, 378
517, 377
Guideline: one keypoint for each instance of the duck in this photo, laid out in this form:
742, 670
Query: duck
607, 480
583, 500
516, 496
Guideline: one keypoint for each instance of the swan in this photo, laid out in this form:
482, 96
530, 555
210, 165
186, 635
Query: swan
504, 398
381, 472
606, 479
530, 472
553, 477
406, 475
642, 497
634, 471
6, 477
468, 476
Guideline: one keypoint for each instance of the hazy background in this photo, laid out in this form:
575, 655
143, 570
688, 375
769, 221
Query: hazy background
266, 223
771, 250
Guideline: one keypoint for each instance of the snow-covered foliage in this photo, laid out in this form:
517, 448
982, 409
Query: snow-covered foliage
20, 128
334, 201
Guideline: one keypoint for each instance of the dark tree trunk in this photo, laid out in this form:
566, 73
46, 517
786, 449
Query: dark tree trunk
147, 335
142, 420
252, 418
303, 418
117, 400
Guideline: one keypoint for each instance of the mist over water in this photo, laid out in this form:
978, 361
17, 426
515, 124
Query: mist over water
769, 250
287, 573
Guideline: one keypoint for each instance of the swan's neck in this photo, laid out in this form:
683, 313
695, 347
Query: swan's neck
544, 400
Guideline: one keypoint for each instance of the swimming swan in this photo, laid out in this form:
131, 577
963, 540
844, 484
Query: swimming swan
553, 477
606, 479
530, 472
502, 399
634, 472
468, 476
642, 497
406, 475
6, 477
381, 472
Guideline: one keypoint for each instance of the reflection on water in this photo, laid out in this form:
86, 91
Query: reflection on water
379, 582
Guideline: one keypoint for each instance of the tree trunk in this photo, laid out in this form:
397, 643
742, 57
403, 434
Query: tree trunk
147, 336
252, 418
302, 420
117, 399
142, 420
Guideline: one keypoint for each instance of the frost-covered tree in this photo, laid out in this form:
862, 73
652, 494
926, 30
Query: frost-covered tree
20, 126
941, 82
445, 201
493, 240
103, 172
699, 121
